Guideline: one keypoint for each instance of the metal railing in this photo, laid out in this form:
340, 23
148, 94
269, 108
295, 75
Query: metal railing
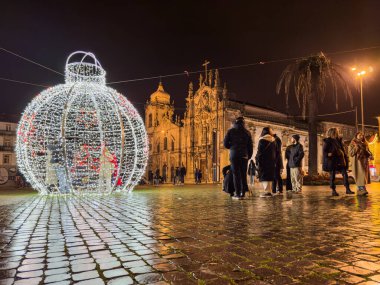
7, 133
6, 148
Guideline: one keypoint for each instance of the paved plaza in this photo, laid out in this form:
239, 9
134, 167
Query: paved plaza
191, 235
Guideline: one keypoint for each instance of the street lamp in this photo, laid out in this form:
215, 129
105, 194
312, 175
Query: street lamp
360, 73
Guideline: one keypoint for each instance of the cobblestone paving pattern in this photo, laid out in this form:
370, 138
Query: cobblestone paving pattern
192, 235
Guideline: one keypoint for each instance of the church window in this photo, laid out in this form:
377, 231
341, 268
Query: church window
150, 121
158, 147
172, 145
165, 143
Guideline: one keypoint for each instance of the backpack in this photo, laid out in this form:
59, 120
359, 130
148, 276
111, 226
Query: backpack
228, 183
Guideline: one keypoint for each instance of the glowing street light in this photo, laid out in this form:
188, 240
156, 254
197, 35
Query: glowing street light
360, 73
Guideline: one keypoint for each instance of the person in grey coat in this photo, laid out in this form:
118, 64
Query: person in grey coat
295, 156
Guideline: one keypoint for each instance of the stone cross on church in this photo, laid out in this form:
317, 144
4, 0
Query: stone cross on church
205, 65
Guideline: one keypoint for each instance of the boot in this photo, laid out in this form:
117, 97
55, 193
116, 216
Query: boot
334, 193
348, 191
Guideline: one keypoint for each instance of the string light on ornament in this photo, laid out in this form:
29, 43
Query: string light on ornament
81, 137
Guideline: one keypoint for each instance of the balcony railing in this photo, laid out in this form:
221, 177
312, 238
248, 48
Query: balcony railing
7, 133
6, 148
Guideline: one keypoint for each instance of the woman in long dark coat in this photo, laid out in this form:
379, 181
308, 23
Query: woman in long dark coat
266, 160
360, 155
335, 160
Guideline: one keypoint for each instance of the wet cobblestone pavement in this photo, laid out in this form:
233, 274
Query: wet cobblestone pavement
192, 235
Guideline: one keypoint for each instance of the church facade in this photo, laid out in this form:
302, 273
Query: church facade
195, 140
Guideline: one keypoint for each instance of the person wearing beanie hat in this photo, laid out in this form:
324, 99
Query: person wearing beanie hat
239, 120
296, 137
294, 154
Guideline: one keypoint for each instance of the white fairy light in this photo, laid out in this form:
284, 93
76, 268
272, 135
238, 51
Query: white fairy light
82, 136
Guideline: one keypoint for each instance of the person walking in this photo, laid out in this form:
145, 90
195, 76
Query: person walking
177, 178
156, 179
51, 178
266, 158
288, 177
172, 175
251, 172
295, 156
239, 141
164, 173
150, 176
277, 185
183, 174
105, 170
359, 157
58, 162
199, 176
335, 160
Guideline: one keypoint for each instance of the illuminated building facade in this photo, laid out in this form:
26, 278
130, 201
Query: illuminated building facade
196, 140
7, 153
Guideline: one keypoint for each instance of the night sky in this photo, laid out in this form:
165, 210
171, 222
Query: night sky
138, 39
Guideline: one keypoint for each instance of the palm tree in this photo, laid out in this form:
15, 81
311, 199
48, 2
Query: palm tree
309, 77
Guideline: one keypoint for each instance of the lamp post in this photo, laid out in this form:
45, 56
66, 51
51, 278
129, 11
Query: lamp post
361, 99
360, 73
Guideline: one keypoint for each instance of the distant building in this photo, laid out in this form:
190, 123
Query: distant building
374, 147
196, 140
7, 153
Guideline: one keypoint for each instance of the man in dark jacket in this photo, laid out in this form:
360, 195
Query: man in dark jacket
239, 141
296, 154
277, 184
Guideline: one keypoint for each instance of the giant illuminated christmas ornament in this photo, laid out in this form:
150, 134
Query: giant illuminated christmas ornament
81, 137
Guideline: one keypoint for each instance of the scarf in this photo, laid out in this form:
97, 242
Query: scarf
362, 152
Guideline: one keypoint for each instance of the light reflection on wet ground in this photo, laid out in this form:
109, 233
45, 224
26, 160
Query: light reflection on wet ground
192, 235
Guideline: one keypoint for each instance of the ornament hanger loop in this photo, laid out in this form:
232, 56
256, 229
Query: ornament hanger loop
85, 54
88, 69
